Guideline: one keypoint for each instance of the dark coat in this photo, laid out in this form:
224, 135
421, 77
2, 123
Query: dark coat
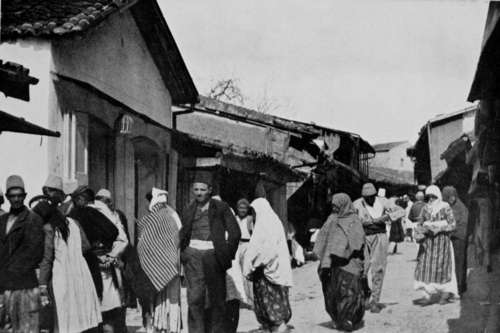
21, 251
221, 220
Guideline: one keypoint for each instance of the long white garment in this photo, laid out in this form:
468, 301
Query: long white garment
376, 210
76, 300
268, 246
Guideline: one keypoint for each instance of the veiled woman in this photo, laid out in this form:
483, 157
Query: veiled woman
435, 271
340, 247
158, 254
267, 263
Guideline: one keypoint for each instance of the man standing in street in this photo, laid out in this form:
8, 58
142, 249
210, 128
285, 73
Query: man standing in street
374, 214
21, 250
209, 239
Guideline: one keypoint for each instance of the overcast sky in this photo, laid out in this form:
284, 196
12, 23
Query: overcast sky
377, 68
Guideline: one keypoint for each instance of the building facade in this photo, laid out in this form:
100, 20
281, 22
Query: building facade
115, 124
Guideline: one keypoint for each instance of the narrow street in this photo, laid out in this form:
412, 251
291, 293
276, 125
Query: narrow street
399, 316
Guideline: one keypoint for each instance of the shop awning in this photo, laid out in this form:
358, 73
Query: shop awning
10, 123
213, 153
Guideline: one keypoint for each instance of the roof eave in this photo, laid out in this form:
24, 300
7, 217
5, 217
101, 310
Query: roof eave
165, 52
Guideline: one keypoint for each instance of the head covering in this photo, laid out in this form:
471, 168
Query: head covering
268, 246
448, 192
158, 239
243, 202
204, 177
103, 193
85, 191
54, 182
260, 190
14, 181
158, 196
368, 190
342, 205
341, 235
435, 191
460, 212
437, 204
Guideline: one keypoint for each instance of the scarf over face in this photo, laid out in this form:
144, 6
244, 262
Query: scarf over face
438, 204
157, 246
342, 233
268, 246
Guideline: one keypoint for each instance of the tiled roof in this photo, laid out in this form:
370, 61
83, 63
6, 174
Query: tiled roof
25, 18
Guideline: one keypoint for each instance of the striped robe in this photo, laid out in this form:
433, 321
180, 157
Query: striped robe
157, 246
434, 262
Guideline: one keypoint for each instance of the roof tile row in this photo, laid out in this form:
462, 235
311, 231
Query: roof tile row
25, 18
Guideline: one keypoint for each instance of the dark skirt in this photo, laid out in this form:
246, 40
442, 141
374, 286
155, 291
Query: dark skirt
397, 233
345, 296
271, 303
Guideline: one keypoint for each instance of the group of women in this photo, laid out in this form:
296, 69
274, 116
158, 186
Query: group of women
340, 247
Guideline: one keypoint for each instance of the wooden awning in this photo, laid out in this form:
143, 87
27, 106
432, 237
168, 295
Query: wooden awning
10, 123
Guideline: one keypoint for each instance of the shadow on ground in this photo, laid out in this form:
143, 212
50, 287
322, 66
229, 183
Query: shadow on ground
480, 305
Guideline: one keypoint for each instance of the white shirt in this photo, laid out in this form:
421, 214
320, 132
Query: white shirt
376, 210
243, 223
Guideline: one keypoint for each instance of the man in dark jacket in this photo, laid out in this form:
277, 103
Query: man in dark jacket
21, 250
209, 239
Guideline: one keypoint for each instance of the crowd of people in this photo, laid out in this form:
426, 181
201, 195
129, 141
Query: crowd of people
67, 263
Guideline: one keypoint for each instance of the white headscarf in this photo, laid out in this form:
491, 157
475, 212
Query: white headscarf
268, 246
160, 196
438, 203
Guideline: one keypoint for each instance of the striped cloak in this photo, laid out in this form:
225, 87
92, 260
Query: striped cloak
434, 262
157, 246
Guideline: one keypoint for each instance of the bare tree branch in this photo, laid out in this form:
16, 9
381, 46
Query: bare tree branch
227, 90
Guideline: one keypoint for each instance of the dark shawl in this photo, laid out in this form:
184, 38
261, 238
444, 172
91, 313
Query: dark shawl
101, 234
341, 235
460, 212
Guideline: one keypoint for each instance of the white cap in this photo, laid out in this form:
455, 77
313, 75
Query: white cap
104, 193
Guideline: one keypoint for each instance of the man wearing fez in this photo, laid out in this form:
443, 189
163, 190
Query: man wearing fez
53, 189
209, 239
375, 213
21, 250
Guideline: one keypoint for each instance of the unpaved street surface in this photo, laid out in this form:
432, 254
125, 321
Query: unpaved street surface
399, 316
479, 310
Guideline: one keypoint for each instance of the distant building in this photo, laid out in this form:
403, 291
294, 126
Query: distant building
434, 139
392, 155
391, 167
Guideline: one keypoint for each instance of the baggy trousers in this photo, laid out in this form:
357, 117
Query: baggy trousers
376, 264
205, 281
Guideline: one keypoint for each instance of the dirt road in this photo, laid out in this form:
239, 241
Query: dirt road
473, 314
